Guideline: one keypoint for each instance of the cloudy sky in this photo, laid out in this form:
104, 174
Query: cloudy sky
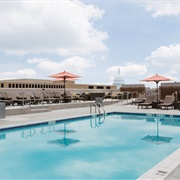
90, 38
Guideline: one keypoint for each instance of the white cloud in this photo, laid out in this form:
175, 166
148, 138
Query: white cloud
73, 64
130, 69
37, 60
165, 61
21, 73
64, 27
166, 57
162, 8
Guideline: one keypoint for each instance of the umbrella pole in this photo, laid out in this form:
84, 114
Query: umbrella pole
157, 93
64, 87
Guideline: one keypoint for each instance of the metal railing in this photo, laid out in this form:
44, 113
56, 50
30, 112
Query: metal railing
128, 96
98, 106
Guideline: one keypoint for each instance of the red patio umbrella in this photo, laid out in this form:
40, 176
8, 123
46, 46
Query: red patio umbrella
64, 76
156, 78
61, 79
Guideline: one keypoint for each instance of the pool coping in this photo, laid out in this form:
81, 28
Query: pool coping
53, 121
164, 168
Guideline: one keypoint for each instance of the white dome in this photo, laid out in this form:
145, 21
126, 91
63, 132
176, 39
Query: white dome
118, 80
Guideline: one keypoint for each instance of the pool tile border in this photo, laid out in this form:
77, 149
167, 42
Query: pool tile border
84, 116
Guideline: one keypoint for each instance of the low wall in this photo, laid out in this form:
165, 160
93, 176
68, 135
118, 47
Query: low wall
47, 108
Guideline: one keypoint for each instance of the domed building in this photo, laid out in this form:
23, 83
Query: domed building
118, 80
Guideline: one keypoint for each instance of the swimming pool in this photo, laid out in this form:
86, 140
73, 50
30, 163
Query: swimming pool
119, 146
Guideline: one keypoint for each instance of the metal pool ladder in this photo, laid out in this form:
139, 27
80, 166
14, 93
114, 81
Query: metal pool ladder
98, 106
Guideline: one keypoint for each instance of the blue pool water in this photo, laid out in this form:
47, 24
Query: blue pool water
119, 146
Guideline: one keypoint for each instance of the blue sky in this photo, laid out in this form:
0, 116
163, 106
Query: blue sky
90, 38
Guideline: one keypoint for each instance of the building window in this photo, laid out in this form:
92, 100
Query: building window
100, 87
91, 87
17, 86
13, 85
2, 85
108, 87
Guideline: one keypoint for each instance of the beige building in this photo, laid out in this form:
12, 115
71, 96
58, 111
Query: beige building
49, 84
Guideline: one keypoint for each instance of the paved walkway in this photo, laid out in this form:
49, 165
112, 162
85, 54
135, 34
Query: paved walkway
169, 168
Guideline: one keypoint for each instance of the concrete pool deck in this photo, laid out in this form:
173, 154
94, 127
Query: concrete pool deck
169, 168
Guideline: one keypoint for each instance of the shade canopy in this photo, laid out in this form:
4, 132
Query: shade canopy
156, 78
64, 76
62, 79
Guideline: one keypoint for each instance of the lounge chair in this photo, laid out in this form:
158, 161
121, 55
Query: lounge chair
47, 97
168, 102
76, 97
66, 98
148, 102
71, 96
140, 99
39, 96
56, 95
107, 95
18, 98
114, 95
5, 99
85, 96
30, 95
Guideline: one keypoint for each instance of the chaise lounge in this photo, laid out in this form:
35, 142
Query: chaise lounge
168, 102
140, 99
5, 99
148, 102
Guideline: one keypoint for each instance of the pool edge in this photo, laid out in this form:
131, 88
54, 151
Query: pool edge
164, 168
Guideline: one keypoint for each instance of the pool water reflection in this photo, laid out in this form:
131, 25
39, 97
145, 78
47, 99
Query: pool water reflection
88, 148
